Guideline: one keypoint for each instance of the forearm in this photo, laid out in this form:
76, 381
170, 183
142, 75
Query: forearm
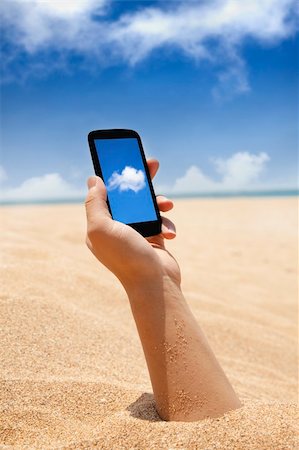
187, 380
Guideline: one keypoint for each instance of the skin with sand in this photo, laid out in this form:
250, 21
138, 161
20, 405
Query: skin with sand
187, 379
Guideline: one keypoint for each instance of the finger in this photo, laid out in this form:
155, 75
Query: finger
156, 241
95, 203
153, 166
168, 228
164, 203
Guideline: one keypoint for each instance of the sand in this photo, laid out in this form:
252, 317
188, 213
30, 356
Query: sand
73, 373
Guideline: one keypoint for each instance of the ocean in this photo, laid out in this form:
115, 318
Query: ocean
211, 195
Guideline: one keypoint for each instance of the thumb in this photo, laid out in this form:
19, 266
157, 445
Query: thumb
96, 200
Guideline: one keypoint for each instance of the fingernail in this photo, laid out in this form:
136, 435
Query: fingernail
171, 229
91, 182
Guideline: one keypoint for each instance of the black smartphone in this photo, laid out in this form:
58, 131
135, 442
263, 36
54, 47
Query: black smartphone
119, 159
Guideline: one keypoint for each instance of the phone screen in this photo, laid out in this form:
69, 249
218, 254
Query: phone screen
126, 181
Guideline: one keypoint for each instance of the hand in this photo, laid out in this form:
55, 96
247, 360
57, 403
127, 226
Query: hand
130, 256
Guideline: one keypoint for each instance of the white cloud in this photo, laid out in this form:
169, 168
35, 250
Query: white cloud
241, 169
239, 172
193, 180
128, 179
46, 187
35, 25
190, 24
213, 30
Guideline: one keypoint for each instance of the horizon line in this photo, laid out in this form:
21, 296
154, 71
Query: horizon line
217, 194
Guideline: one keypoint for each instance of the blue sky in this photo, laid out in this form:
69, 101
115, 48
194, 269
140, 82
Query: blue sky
211, 87
128, 190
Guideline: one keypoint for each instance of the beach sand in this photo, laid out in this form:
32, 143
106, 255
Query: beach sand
73, 373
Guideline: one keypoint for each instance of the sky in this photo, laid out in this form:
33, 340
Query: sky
127, 186
211, 87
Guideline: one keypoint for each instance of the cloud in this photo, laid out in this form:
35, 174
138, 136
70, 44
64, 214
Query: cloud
34, 25
241, 171
128, 179
46, 187
213, 30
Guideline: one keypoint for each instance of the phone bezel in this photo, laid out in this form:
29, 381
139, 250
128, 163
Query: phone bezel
146, 229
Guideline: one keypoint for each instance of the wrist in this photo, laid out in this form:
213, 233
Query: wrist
152, 289
151, 277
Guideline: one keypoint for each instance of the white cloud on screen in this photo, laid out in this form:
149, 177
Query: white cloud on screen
128, 179
213, 30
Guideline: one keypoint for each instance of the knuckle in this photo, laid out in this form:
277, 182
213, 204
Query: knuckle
92, 231
89, 199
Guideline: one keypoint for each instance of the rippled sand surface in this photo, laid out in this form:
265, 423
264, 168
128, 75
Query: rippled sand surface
72, 369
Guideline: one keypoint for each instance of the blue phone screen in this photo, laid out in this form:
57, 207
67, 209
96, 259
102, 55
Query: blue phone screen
123, 172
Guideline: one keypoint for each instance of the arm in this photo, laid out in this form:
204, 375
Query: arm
187, 380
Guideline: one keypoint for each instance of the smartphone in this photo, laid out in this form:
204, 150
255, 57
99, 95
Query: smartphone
119, 159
